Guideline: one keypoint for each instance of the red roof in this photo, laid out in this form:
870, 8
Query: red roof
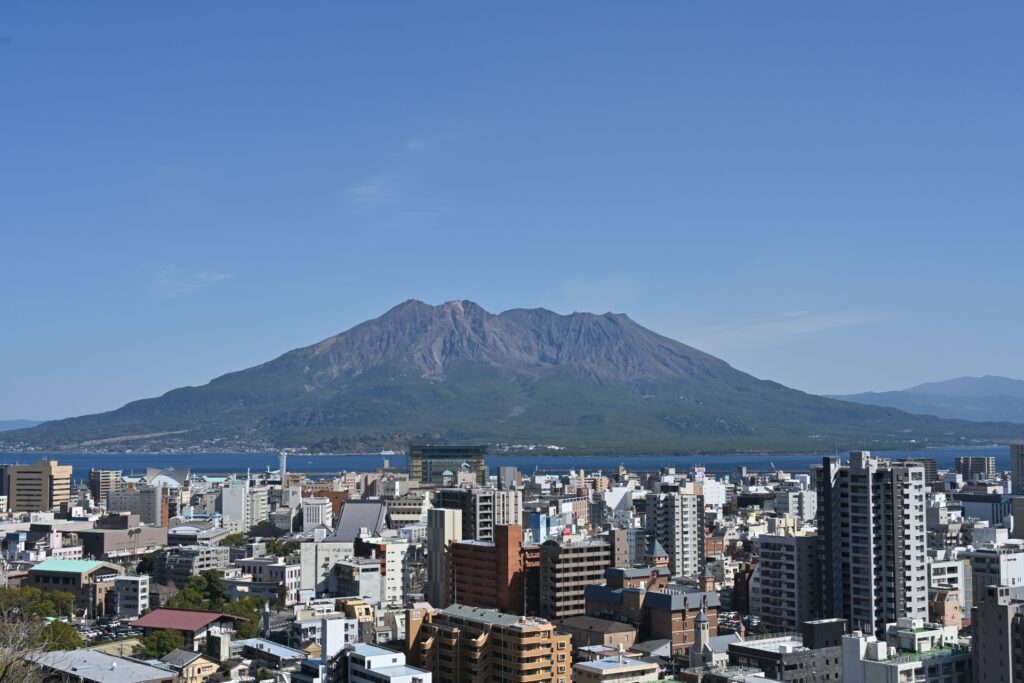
178, 619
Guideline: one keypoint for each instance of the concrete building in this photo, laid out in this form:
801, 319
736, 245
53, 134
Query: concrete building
391, 553
676, 521
316, 512
493, 574
999, 635
243, 506
871, 539
102, 482
790, 589
409, 509
276, 571
618, 669
976, 467
508, 507
39, 487
477, 506
93, 666
358, 577
813, 657
372, 664
88, 581
566, 569
444, 526
178, 564
429, 462
913, 650
131, 595
947, 569
473, 645
995, 565
150, 503
121, 535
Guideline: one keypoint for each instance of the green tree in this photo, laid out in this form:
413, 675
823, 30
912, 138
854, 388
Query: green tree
32, 601
249, 611
158, 643
235, 540
146, 564
279, 548
264, 675
58, 635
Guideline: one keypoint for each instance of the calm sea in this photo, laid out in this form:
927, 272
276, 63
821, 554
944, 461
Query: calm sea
325, 465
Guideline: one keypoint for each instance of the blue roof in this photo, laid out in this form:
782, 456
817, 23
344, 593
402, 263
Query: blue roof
66, 566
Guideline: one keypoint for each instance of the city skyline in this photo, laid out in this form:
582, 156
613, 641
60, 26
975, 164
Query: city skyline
822, 196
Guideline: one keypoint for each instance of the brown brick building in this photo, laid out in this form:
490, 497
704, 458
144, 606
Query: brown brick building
501, 574
566, 569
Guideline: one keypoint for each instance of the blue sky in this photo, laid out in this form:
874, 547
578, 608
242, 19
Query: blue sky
824, 194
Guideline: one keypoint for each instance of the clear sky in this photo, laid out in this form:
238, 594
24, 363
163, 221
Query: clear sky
827, 194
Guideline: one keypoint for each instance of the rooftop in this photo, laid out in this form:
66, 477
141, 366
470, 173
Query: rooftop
614, 663
178, 619
92, 665
67, 566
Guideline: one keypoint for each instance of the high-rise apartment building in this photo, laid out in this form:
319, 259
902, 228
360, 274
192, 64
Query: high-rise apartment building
676, 521
790, 590
501, 574
976, 467
566, 569
38, 487
998, 645
508, 507
477, 506
102, 483
429, 462
462, 644
871, 539
444, 526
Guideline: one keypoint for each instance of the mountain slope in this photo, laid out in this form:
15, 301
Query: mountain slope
582, 381
987, 398
6, 425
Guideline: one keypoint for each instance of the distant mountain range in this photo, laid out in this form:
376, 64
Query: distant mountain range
988, 398
454, 372
7, 425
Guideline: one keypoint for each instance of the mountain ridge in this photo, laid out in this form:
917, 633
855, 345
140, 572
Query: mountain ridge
985, 398
456, 372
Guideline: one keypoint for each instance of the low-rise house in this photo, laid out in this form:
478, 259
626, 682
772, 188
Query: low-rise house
195, 626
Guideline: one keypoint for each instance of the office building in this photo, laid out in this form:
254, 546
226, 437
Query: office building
871, 540
676, 521
429, 462
566, 569
87, 581
150, 503
359, 577
790, 590
444, 526
616, 669
995, 565
39, 487
814, 656
462, 644
391, 553
999, 635
131, 595
976, 467
178, 564
102, 483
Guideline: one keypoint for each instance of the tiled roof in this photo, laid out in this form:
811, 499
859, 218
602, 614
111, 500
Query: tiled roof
178, 619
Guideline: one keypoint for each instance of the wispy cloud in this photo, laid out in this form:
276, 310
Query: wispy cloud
379, 190
173, 283
774, 330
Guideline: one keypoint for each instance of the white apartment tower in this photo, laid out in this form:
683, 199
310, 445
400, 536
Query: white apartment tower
871, 531
676, 520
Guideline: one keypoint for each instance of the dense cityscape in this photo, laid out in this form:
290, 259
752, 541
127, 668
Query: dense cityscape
861, 569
